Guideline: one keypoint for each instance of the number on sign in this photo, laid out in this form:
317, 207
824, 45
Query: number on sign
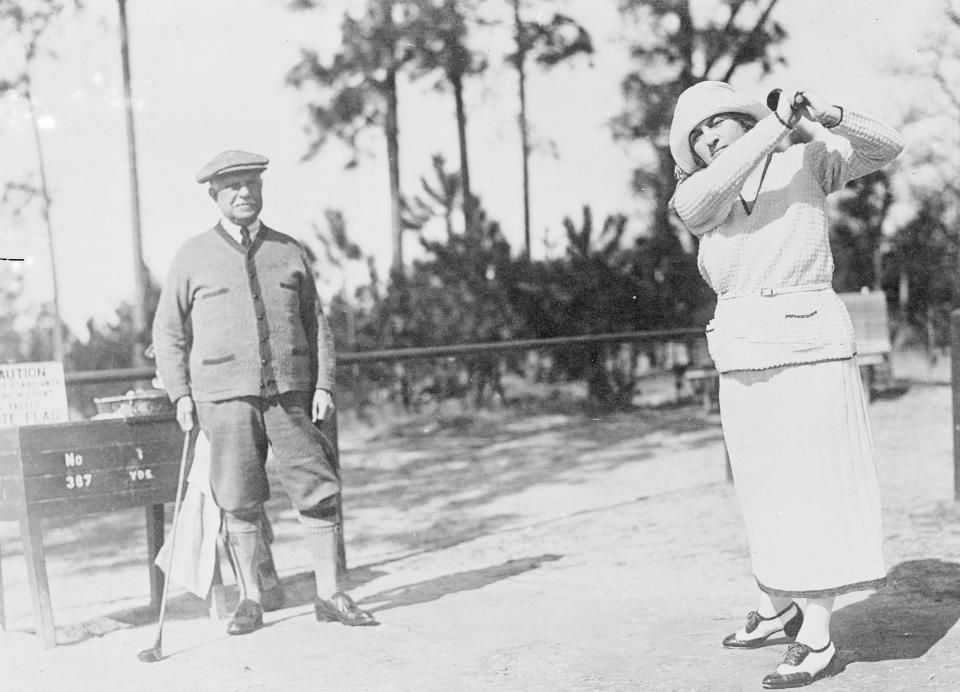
79, 480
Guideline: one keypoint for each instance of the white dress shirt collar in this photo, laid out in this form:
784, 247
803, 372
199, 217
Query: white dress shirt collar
234, 230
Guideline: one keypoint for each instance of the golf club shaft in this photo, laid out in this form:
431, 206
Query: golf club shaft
173, 535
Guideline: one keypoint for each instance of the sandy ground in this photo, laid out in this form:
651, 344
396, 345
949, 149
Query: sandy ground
511, 551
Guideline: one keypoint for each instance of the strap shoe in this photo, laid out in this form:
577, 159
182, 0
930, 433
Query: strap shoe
790, 629
801, 666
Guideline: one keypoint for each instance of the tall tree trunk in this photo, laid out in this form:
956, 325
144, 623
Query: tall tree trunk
469, 206
140, 281
392, 132
393, 160
57, 330
522, 121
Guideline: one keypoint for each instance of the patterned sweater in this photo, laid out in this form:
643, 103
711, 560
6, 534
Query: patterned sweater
234, 323
772, 269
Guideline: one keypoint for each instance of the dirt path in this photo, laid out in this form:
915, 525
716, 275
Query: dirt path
514, 552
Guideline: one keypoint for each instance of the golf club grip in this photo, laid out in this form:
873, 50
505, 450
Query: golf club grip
773, 98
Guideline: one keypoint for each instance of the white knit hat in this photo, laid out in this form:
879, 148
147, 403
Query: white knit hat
696, 104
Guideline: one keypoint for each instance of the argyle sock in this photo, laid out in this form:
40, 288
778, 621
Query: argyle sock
243, 539
321, 540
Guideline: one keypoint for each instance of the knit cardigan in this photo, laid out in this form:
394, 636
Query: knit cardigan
238, 322
772, 269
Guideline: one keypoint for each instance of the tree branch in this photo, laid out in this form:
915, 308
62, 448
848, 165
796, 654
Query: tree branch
734, 11
735, 62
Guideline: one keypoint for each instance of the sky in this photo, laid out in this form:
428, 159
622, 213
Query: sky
210, 75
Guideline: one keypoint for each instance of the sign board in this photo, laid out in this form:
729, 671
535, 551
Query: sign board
32, 394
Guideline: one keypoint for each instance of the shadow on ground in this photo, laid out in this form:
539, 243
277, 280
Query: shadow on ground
299, 590
432, 589
456, 467
461, 464
902, 620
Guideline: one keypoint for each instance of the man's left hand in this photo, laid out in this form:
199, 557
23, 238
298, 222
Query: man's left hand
322, 405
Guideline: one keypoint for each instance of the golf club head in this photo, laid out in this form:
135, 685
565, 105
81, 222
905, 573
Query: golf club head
151, 655
773, 98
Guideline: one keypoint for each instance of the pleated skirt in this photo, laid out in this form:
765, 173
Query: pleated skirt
805, 473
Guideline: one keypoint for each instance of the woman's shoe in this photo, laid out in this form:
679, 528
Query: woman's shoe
801, 666
754, 619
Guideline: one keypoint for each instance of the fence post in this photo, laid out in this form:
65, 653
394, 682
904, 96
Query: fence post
955, 386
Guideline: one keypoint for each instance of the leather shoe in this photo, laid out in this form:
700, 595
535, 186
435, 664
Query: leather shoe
753, 621
247, 618
341, 608
795, 656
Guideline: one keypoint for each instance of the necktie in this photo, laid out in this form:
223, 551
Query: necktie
244, 237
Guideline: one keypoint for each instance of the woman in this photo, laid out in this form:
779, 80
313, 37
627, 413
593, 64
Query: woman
791, 401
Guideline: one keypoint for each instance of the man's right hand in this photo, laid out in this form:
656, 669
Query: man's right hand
185, 413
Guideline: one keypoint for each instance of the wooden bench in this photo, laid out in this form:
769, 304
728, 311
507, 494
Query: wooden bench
871, 328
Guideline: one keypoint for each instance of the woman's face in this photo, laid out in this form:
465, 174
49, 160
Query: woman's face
713, 135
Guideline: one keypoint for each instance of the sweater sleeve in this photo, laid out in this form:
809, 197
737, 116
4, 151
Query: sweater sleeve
859, 145
704, 199
323, 362
171, 330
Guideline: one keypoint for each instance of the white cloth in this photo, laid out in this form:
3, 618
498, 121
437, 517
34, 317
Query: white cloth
803, 465
195, 548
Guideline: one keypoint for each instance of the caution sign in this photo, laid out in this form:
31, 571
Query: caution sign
32, 393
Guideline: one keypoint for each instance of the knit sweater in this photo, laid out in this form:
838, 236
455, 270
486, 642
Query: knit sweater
772, 268
233, 322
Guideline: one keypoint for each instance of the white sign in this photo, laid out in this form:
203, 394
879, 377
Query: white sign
32, 393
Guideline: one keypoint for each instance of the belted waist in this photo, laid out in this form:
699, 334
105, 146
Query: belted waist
770, 292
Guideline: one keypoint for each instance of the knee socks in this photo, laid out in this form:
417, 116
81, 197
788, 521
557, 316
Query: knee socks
243, 539
321, 539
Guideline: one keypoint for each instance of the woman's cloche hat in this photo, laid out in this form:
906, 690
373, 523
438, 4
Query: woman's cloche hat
696, 104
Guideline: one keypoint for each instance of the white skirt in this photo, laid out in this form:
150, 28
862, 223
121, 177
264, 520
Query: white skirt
804, 469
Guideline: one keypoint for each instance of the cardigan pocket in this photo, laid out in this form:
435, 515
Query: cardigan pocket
214, 293
217, 361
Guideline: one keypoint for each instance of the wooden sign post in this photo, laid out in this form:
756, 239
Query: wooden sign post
69, 469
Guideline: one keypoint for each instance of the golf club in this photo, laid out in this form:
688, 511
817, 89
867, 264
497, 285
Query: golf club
155, 652
773, 98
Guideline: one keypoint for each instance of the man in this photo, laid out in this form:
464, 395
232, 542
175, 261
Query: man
242, 344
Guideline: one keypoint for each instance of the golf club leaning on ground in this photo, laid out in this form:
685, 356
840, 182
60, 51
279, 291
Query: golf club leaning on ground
155, 653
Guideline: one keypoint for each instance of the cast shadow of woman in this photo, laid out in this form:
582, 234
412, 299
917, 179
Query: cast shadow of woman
902, 620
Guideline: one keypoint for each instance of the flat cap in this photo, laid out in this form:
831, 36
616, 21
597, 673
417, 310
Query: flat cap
231, 161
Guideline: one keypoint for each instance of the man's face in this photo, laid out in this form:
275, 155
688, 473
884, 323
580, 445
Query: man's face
238, 195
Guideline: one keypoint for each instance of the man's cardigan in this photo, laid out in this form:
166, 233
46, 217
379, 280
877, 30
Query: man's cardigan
233, 322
